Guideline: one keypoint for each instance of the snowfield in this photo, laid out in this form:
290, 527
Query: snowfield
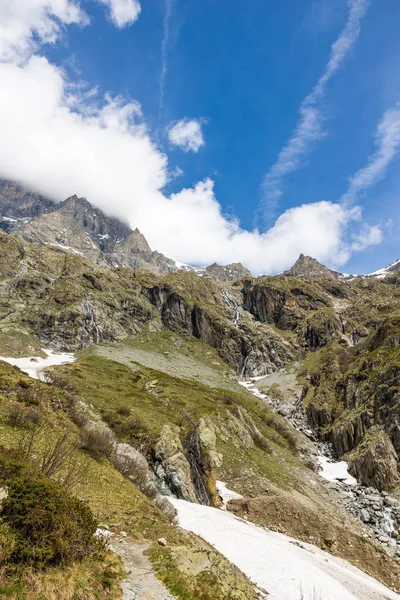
286, 568
335, 471
33, 365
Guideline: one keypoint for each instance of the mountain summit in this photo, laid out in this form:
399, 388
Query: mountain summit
77, 226
307, 267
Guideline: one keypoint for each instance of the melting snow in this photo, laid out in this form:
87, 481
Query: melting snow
33, 366
281, 565
335, 471
225, 494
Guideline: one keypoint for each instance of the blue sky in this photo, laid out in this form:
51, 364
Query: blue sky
241, 71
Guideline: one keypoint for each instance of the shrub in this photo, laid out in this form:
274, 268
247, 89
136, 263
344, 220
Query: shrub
61, 381
21, 416
7, 542
98, 442
74, 408
11, 465
53, 454
50, 526
124, 411
29, 395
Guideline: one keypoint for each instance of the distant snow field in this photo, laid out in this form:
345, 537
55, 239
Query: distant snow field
284, 567
33, 365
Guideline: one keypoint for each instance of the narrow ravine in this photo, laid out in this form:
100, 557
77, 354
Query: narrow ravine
379, 513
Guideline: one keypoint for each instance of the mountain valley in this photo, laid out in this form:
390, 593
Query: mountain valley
183, 381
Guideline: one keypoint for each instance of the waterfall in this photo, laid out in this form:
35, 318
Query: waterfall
230, 300
387, 521
90, 322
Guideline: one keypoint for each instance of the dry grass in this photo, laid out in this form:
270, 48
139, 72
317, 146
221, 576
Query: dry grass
86, 580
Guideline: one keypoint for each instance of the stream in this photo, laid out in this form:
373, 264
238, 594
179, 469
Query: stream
379, 513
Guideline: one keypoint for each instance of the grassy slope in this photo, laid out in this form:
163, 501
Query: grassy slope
151, 398
116, 502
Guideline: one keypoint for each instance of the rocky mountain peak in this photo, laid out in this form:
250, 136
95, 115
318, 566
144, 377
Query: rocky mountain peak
134, 242
231, 272
307, 267
17, 202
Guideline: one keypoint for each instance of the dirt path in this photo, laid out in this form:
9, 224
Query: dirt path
141, 583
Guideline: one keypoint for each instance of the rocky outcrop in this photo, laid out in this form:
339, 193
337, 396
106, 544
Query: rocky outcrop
320, 327
375, 462
348, 432
231, 272
135, 466
171, 466
185, 468
283, 303
307, 267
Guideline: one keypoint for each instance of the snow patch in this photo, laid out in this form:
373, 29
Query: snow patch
66, 248
335, 471
33, 365
277, 563
225, 494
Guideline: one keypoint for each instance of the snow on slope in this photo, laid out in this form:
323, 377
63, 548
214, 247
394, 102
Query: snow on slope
386, 270
33, 366
286, 568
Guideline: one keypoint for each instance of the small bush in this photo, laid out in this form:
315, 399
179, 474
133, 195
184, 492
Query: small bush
98, 442
29, 395
11, 465
61, 381
55, 455
124, 411
74, 408
50, 526
21, 416
229, 400
7, 543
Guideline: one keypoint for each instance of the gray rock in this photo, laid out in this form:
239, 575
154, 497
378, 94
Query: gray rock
365, 516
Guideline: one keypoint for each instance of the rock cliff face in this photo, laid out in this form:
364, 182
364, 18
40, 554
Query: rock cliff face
79, 227
353, 399
18, 203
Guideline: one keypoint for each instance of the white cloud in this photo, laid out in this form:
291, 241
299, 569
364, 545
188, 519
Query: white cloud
164, 55
387, 141
24, 23
107, 155
123, 12
69, 141
309, 128
187, 134
368, 236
